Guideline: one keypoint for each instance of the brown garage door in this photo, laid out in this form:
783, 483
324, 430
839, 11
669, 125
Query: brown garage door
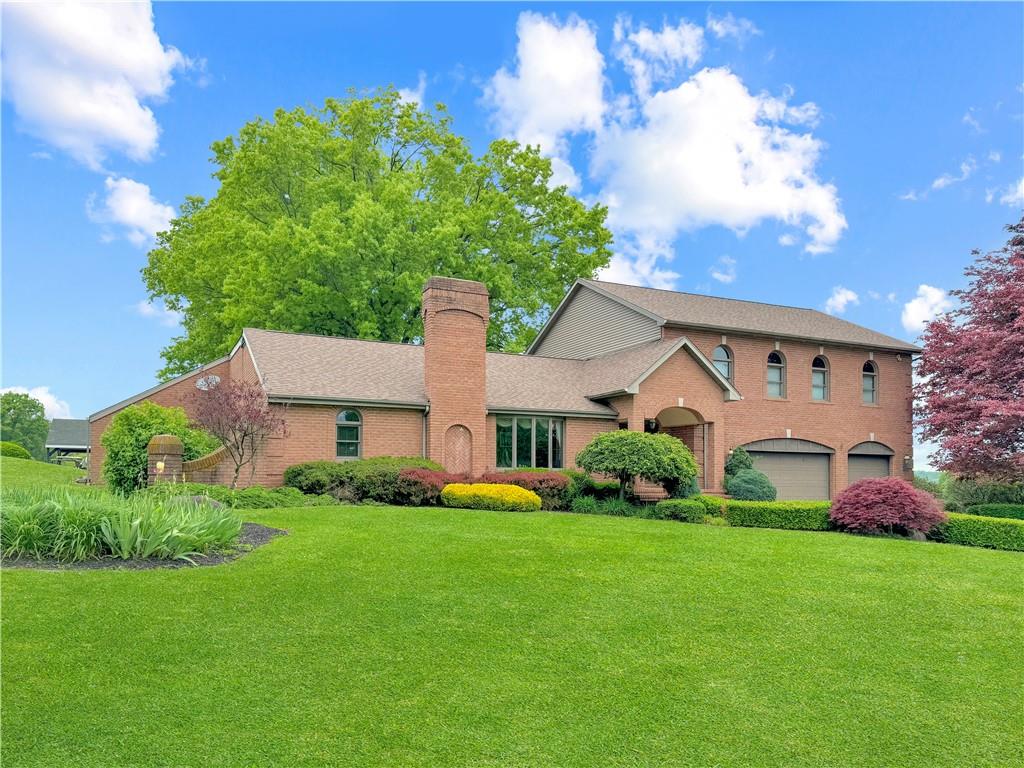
795, 475
868, 466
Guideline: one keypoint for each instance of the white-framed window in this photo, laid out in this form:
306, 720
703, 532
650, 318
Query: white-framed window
869, 383
819, 378
529, 441
348, 438
722, 359
776, 376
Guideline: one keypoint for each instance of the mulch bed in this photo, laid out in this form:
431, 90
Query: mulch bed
252, 536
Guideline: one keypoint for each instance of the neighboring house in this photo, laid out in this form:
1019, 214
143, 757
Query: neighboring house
818, 401
66, 437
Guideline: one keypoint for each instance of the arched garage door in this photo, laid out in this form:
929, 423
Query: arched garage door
799, 469
869, 460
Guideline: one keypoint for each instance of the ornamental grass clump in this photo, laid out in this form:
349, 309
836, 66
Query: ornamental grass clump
886, 505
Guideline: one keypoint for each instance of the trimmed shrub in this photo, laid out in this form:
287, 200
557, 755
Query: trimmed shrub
422, 487
357, 480
1013, 511
552, 487
125, 440
738, 460
790, 515
750, 485
978, 531
626, 455
713, 505
314, 477
686, 510
885, 505
506, 498
13, 450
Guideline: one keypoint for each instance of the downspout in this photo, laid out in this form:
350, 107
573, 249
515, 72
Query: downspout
423, 440
704, 484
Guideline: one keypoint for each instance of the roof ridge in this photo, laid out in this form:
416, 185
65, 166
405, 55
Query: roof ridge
332, 337
702, 295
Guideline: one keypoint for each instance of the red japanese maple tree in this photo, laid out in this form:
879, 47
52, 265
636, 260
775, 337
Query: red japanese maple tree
970, 398
238, 414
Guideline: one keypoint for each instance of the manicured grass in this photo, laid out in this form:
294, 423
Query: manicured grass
25, 473
435, 637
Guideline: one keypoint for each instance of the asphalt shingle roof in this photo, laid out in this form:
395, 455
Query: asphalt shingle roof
697, 310
72, 433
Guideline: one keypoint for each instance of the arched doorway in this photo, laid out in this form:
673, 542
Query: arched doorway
690, 427
458, 450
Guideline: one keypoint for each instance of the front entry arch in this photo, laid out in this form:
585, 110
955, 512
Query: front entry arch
694, 431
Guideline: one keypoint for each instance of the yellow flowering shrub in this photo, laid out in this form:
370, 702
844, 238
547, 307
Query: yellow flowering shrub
507, 498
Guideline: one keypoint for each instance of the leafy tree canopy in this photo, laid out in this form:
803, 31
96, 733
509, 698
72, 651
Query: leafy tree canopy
330, 221
23, 421
971, 394
626, 454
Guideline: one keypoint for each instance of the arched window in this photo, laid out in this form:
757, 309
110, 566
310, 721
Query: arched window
869, 383
819, 378
349, 437
722, 358
776, 375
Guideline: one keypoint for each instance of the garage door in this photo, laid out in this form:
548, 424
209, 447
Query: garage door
795, 475
868, 466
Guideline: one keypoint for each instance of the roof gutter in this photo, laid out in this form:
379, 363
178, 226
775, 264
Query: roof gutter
153, 390
550, 412
910, 349
304, 400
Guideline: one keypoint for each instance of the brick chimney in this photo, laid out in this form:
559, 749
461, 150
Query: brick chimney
455, 316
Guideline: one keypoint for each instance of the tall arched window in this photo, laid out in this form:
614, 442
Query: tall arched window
722, 358
869, 383
349, 437
776, 375
819, 378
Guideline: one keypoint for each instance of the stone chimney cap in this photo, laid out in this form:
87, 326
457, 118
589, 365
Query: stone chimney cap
455, 284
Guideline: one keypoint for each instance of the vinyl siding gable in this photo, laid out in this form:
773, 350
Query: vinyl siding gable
592, 324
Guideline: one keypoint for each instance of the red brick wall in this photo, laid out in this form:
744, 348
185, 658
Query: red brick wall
840, 423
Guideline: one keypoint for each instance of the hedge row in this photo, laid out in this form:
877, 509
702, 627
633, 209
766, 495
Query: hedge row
979, 531
1014, 511
503, 498
791, 515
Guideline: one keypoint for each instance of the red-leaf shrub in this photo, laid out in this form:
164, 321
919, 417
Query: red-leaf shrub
422, 487
552, 487
886, 505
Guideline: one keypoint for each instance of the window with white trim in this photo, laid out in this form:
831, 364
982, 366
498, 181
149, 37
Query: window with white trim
529, 441
819, 378
776, 375
722, 358
869, 383
348, 438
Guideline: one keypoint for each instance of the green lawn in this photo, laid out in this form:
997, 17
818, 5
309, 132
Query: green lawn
25, 473
388, 636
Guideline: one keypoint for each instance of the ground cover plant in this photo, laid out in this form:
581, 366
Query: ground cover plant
450, 637
254, 497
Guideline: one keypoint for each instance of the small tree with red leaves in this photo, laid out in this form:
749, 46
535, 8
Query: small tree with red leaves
970, 399
238, 414
885, 505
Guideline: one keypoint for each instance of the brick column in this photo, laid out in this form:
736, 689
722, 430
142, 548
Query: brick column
165, 462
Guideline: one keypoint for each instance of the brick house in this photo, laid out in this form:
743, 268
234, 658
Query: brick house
818, 401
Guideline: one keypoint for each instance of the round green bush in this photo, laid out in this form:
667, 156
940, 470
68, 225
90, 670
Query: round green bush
750, 485
626, 454
738, 460
13, 450
125, 441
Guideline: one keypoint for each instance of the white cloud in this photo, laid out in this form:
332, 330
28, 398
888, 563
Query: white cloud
55, 407
874, 295
911, 195
891, 297
1013, 195
161, 313
415, 95
994, 156
652, 57
967, 167
840, 299
971, 121
787, 240
78, 75
724, 270
556, 90
129, 207
707, 153
729, 26
929, 302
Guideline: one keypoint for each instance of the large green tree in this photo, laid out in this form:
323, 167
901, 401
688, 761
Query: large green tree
23, 421
330, 221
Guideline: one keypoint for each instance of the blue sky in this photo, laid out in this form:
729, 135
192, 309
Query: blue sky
785, 153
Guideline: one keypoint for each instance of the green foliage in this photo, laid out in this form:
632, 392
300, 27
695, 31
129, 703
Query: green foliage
13, 450
384, 194
978, 531
793, 515
254, 497
23, 421
959, 494
713, 505
374, 479
750, 485
503, 498
1014, 511
613, 507
737, 461
686, 510
927, 485
70, 525
627, 454
29, 473
125, 441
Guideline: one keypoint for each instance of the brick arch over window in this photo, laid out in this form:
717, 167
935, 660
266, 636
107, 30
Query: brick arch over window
458, 449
